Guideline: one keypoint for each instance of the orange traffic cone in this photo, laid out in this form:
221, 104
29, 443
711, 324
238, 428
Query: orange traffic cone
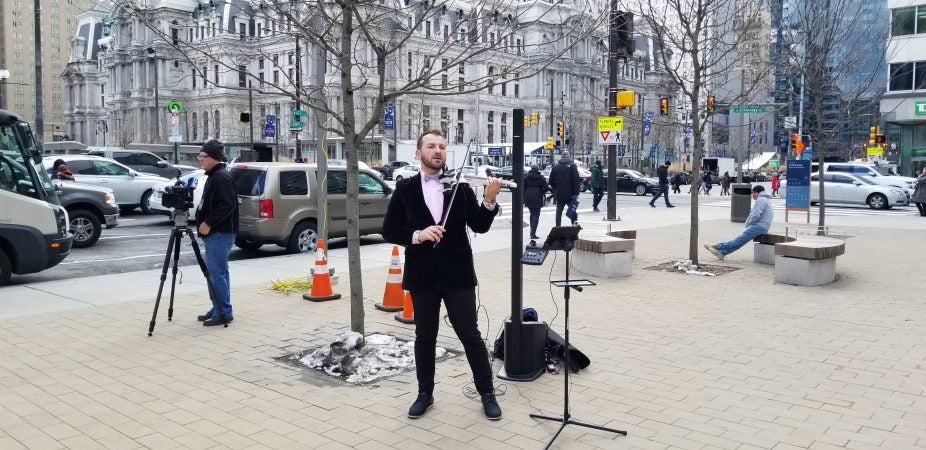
321, 279
393, 298
408, 312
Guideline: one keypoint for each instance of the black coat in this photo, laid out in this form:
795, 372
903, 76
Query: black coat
450, 265
565, 180
535, 189
219, 204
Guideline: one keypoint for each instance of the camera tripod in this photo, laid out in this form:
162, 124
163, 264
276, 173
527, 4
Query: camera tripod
180, 218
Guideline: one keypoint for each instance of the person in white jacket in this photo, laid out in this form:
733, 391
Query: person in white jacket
758, 223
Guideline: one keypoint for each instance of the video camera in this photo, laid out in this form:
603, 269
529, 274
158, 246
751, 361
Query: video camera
178, 197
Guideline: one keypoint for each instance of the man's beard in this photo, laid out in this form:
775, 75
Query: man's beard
432, 166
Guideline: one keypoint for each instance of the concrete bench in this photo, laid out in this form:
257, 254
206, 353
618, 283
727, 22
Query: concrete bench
807, 261
603, 256
764, 247
625, 234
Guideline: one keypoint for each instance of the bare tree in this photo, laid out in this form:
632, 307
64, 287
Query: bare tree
838, 49
361, 44
698, 46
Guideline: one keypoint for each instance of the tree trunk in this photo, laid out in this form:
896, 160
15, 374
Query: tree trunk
352, 143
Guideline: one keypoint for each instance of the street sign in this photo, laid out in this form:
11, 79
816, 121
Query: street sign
270, 126
175, 138
773, 164
790, 122
872, 151
389, 117
920, 108
174, 106
797, 195
609, 129
748, 109
295, 125
300, 113
496, 151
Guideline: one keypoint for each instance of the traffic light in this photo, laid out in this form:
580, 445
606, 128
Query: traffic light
880, 139
664, 106
549, 145
527, 122
797, 144
535, 118
710, 104
559, 128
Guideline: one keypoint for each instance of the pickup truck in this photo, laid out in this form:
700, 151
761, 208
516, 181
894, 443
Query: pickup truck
89, 208
387, 169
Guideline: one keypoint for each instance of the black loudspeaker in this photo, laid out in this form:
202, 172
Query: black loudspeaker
525, 343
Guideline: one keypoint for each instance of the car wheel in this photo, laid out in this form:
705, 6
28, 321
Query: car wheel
86, 228
640, 189
304, 238
398, 178
877, 201
247, 245
144, 202
6, 269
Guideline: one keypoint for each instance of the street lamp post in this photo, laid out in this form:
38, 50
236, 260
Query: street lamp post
4, 74
157, 108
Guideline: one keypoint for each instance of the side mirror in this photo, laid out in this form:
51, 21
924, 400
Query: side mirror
161, 163
386, 191
133, 173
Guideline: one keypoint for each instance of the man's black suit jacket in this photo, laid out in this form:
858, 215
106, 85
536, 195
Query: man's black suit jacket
450, 265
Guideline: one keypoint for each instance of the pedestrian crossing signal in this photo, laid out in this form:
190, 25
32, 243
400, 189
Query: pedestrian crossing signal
664, 106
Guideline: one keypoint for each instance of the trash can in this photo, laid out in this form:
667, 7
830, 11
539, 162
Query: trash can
740, 202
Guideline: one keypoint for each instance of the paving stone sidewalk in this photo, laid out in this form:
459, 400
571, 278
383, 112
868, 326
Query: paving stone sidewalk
732, 362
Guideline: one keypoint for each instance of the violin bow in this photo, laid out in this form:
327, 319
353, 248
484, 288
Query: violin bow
456, 185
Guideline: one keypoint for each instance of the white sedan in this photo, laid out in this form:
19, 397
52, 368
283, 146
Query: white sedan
196, 178
845, 188
405, 172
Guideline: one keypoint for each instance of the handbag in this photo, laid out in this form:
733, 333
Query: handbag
573, 207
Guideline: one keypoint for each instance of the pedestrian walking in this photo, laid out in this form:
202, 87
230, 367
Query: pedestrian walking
919, 194
565, 182
758, 222
677, 183
597, 185
663, 174
725, 184
439, 265
776, 183
535, 191
706, 182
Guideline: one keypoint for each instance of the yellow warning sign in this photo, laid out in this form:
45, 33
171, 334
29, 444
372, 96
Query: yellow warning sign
612, 123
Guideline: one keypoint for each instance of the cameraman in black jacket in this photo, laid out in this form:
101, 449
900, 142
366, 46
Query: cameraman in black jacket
217, 223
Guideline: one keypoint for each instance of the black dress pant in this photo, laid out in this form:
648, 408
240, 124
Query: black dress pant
461, 308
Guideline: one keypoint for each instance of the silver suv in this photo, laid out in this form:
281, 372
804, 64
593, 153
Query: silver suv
277, 204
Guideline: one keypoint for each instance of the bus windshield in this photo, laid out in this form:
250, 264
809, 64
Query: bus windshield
18, 172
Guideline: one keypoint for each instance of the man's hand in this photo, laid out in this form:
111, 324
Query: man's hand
493, 185
204, 229
432, 233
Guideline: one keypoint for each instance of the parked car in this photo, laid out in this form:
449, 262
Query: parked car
89, 208
633, 181
406, 172
132, 189
196, 178
507, 172
875, 173
584, 174
388, 169
685, 177
143, 161
857, 190
277, 204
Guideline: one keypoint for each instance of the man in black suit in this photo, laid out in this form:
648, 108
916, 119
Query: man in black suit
439, 265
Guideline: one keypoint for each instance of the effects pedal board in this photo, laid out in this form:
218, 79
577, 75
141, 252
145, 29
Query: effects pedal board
533, 255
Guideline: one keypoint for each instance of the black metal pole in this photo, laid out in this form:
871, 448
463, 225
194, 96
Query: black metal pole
552, 150
612, 111
298, 95
39, 105
251, 113
517, 214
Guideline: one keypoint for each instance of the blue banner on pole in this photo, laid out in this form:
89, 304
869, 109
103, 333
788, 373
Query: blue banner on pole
647, 122
621, 149
797, 193
270, 126
389, 117
753, 135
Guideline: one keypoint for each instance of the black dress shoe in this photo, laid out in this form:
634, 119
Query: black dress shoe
670, 206
422, 404
203, 317
213, 321
535, 237
490, 407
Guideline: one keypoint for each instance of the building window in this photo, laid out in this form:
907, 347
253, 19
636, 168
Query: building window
215, 76
443, 81
260, 64
217, 122
461, 82
504, 89
195, 127
901, 77
260, 76
194, 78
205, 76
904, 21
276, 77
490, 135
242, 76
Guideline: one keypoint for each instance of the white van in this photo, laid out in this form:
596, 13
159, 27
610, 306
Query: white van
33, 227
873, 172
